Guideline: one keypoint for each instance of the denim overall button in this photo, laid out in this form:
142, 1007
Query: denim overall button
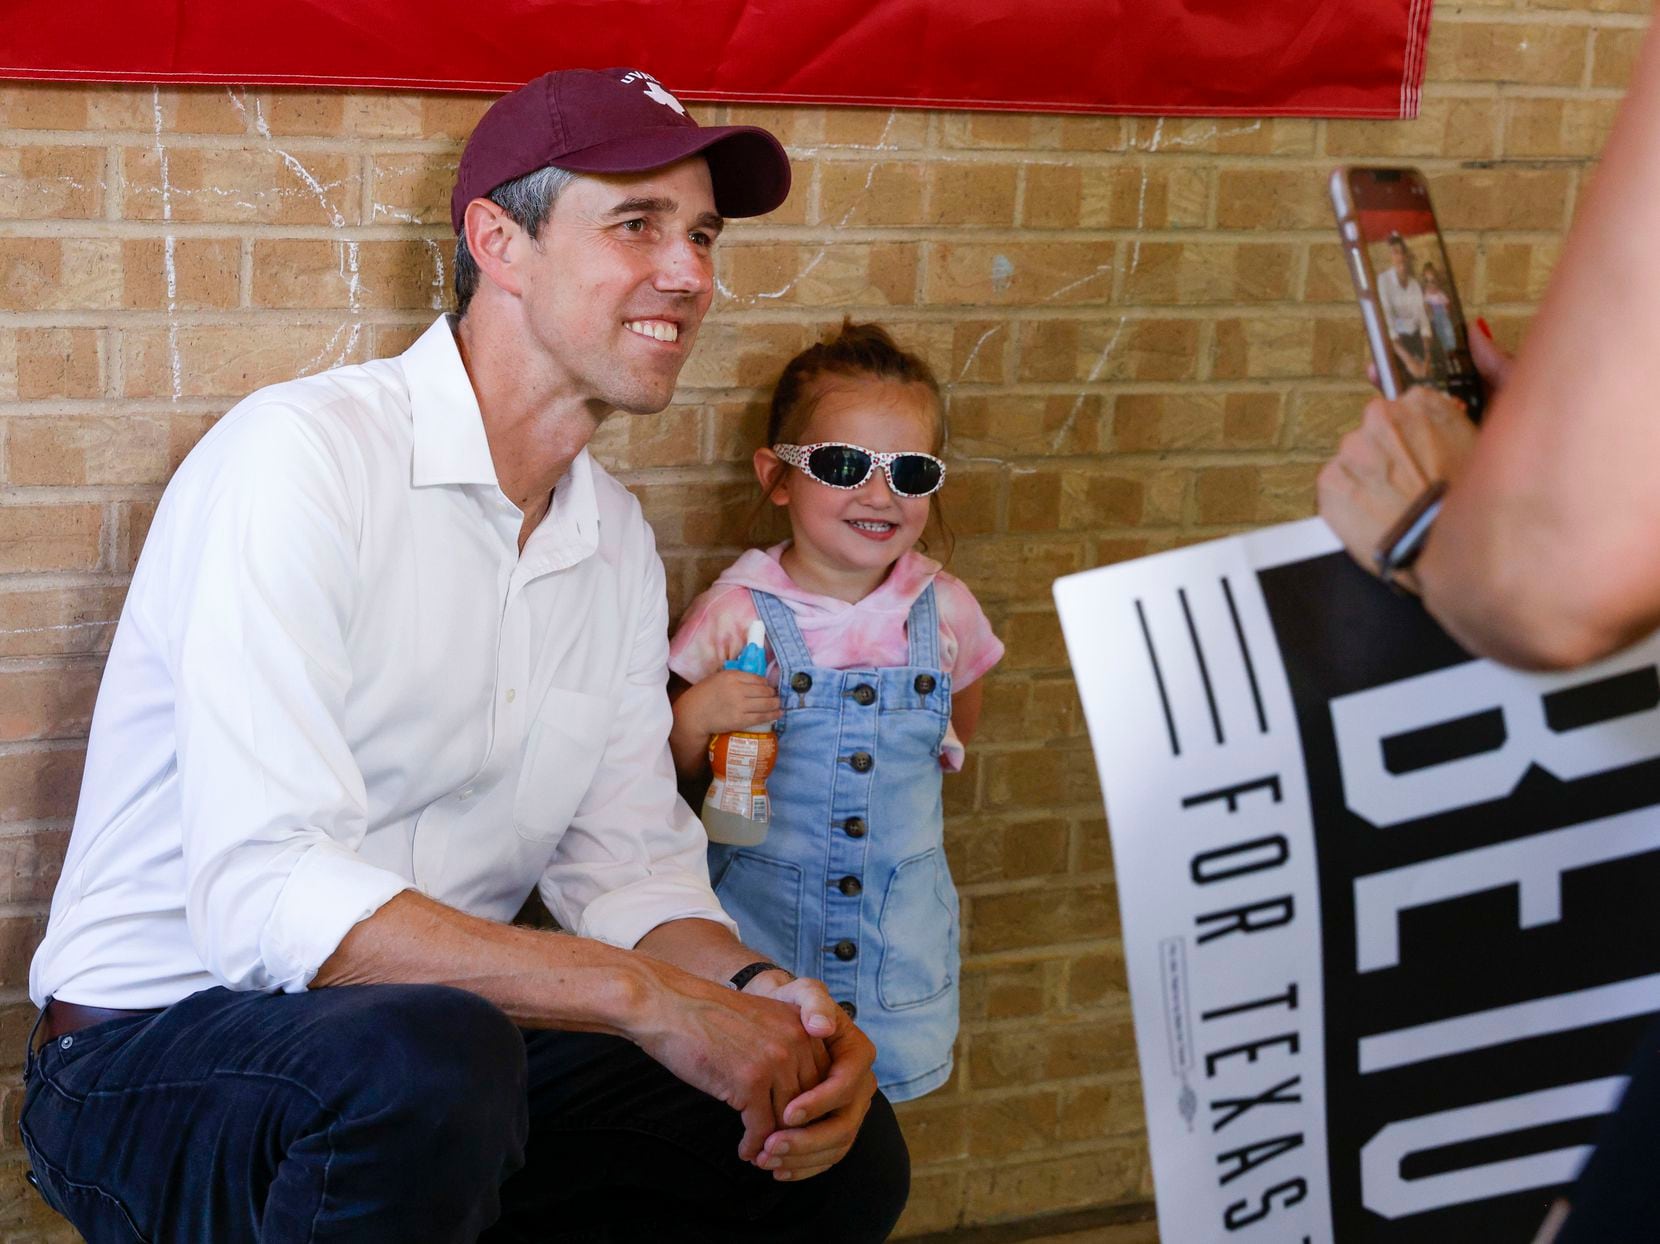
861, 762
854, 826
864, 693
925, 683
65, 1042
801, 683
845, 950
852, 1011
850, 886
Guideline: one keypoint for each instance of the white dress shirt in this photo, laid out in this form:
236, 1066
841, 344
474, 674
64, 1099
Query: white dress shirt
336, 677
1403, 305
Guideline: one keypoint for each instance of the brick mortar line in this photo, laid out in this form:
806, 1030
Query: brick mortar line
1023, 954
55, 580
190, 140
1578, 18
330, 317
1496, 92
1045, 952
254, 318
126, 230
1203, 238
26, 829
1070, 1024
44, 745
77, 407
948, 1163
971, 1164
934, 1104
24, 664
1035, 1157
46, 495
299, 141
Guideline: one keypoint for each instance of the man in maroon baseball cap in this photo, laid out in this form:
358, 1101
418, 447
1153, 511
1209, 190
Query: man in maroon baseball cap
583, 150
395, 658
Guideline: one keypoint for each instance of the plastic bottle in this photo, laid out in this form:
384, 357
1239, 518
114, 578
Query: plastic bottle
736, 809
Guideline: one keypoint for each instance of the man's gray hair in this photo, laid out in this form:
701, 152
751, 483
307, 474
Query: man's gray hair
528, 200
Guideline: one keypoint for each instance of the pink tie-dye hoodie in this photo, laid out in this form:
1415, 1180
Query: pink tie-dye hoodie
869, 633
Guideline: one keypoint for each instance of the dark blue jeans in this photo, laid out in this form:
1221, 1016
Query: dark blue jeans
408, 1113
1616, 1199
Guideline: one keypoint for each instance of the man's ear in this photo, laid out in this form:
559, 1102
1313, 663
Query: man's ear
490, 232
770, 471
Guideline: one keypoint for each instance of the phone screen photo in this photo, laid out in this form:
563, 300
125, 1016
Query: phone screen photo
1399, 263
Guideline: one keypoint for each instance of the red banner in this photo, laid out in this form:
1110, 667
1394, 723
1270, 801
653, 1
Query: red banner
1335, 58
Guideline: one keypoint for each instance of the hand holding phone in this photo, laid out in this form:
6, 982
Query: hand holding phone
1398, 262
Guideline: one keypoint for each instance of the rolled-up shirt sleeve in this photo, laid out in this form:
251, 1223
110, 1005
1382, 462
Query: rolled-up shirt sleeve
273, 804
634, 856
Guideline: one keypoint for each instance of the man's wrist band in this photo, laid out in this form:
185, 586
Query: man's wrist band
1402, 543
750, 971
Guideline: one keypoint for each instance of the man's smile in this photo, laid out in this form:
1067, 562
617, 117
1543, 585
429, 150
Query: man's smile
661, 330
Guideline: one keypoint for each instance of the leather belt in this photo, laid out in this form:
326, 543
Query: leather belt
63, 1018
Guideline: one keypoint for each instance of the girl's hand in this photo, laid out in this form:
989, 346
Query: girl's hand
726, 700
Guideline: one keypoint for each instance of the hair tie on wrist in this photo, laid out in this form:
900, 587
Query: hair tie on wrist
750, 971
1402, 543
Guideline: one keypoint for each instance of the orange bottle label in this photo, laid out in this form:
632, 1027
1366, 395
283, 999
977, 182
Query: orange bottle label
741, 762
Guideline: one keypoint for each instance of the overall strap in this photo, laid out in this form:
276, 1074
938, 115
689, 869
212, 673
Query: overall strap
788, 648
922, 629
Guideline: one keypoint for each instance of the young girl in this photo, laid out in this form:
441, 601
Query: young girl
874, 653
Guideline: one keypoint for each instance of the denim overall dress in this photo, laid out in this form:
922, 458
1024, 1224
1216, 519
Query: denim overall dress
851, 884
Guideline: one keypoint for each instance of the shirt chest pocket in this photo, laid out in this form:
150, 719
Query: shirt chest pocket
562, 752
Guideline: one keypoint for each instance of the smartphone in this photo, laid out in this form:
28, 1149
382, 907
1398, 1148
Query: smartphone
1414, 321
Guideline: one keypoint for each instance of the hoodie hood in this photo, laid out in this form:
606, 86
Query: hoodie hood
761, 570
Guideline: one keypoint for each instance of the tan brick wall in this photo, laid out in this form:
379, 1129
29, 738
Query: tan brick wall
1147, 338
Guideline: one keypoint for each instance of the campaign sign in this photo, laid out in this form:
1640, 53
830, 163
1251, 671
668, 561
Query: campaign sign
1391, 913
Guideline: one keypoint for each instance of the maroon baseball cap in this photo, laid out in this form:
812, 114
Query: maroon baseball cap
615, 121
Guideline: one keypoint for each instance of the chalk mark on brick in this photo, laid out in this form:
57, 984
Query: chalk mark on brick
975, 352
823, 251
170, 270
334, 352
1154, 144
1204, 136
1065, 430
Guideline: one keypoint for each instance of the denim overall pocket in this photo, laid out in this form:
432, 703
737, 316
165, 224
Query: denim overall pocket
916, 924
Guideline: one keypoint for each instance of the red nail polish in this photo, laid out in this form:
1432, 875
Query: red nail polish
1486, 329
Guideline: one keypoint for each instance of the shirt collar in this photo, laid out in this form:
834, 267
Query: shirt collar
450, 445
451, 448
569, 531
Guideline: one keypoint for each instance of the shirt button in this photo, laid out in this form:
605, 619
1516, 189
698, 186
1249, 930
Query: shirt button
511, 694
845, 950
925, 683
852, 1011
854, 826
466, 792
864, 693
862, 762
850, 886
801, 683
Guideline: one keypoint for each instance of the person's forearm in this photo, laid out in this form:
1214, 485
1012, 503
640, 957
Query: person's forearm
700, 947
691, 751
1493, 575
1544, 553
540, 979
